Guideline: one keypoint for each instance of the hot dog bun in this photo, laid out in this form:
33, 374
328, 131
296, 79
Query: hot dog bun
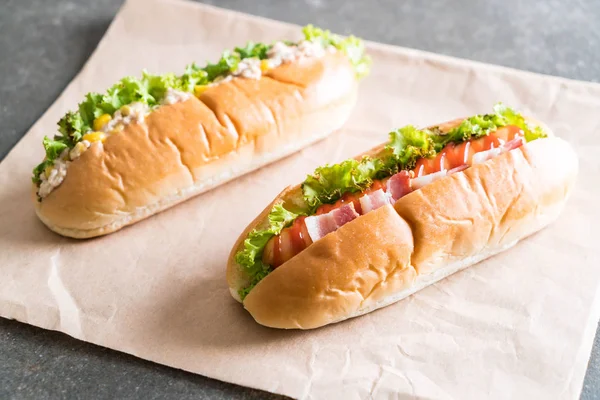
187, 148
394, 251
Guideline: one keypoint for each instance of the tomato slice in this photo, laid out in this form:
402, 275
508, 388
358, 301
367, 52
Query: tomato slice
351, 198
450, 157
425, 166
380, 184
466, 154
454, 155
508, 133
325, 208
441, 160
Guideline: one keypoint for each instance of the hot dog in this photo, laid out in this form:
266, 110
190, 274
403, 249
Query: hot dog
452, 158
149, 143
369, 231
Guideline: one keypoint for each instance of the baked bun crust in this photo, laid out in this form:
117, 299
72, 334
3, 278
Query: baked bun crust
344, 272
187, 148
392, 252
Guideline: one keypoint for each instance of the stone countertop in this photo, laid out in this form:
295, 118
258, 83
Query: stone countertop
44, 43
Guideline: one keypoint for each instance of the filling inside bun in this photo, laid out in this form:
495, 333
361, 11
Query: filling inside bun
129, 101
337, 194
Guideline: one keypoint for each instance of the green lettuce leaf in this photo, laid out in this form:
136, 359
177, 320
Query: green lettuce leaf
511, 117
329, 182
53, 148
157, 85
38, 170
482, 125
408, 144
249, 257
128, 90
192, 76
251, 50
228, 63
471, 128
72, 126
262, 270
88, 108
353, 47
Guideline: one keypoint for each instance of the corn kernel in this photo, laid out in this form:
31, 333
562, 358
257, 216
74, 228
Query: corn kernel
101, 121
125, 110
48, 170
94, 137
199, 89
77, 150
264, 65
118, 128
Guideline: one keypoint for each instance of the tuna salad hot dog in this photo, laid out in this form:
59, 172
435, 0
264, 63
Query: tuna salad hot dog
150, 143
362, 234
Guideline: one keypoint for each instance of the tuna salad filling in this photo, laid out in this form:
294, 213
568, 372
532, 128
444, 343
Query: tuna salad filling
132, 99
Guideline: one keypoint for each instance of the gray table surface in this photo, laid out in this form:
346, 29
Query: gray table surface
44, 43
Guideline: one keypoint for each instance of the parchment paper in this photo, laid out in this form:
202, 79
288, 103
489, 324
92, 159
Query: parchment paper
519, 325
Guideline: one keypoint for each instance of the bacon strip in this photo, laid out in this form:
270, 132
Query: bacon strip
344, 214
418, 183
484, 156
399, 185
320, 225
374, 200
518, 141
458, 169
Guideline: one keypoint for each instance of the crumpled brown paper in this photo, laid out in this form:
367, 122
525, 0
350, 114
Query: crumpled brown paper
519, 325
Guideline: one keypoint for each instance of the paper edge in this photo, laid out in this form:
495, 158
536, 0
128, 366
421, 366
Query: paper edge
585, 349
584, 355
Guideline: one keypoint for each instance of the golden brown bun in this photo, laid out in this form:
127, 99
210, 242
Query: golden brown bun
366, 259
187, 148
385, 256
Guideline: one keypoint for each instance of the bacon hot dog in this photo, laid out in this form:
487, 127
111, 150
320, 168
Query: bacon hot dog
364, 233
452, 158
